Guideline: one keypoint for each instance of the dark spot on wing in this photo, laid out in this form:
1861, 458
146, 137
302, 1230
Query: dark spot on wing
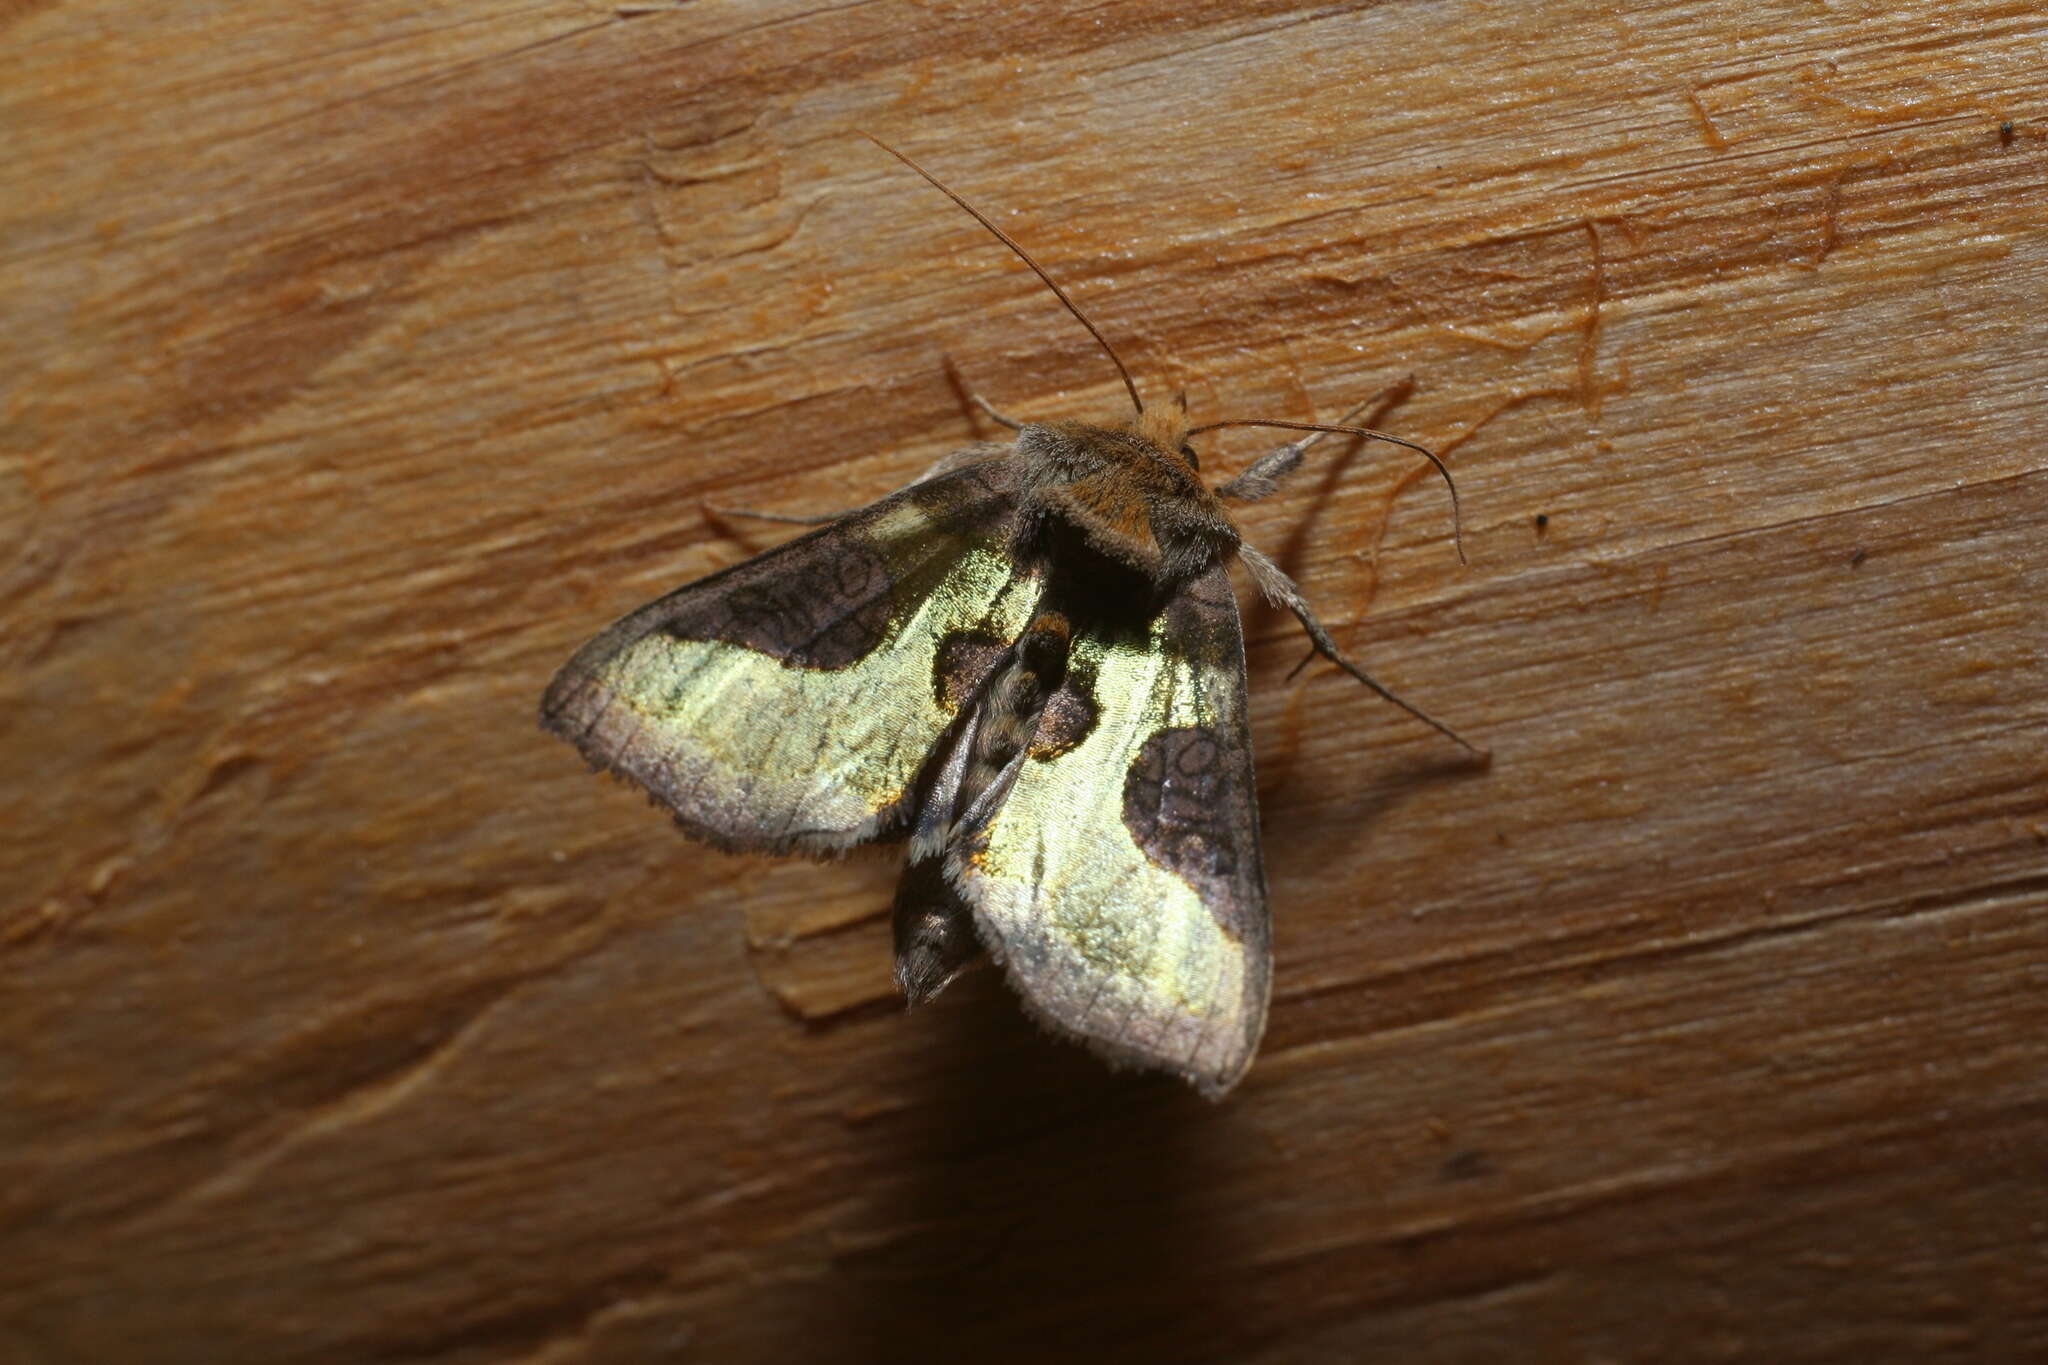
963, 659
1175, 803
1070, 713
823, 605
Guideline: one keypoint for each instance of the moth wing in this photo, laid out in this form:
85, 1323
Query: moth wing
789, 701
1120, 881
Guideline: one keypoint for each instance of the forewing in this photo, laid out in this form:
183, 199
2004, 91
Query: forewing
790, 701
1119, 881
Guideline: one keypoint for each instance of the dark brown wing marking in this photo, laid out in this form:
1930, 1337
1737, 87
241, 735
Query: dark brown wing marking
788, 702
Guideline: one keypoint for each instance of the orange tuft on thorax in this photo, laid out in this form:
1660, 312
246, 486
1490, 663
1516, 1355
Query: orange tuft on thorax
1117, 502
1165, 425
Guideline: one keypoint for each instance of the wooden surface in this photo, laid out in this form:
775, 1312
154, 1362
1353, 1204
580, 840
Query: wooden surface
362, 360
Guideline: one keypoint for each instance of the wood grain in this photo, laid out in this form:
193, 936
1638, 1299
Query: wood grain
362, 360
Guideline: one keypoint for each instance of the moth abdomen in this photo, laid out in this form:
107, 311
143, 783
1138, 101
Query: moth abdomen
1010, 714
1006, 718
934, 930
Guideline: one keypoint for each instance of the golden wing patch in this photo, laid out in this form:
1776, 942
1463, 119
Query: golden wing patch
790, 701
1119, 880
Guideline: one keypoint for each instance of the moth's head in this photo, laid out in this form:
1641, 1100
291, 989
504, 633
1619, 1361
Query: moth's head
1131, 490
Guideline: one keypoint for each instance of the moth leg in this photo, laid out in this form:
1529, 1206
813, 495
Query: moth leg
989, 410
786, 518
961, 388
1281, 591
1263, 476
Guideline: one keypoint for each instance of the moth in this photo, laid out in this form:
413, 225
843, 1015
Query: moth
1029, 666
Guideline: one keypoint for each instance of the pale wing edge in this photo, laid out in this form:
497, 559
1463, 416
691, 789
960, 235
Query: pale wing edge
579, 705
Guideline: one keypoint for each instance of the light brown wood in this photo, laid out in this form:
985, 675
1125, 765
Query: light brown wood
362, 360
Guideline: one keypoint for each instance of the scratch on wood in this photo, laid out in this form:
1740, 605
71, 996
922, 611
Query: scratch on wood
649, 198
364, 1101
1660, 578
648, 203
1500, 338
56, 915
1816, 75
1633, 1187
1589, 341
1369, 556
426, 78
700, 140
1512, 401
1831, 209
775, 933
1706, 121
1367, 560
546, 1328
226, 770
574, 1343
774, 238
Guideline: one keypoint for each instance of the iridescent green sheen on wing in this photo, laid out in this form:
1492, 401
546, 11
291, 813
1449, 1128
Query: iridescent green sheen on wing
790, 701
1120, 881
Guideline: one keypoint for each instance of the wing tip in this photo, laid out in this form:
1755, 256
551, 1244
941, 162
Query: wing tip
572, 711
1212, 1077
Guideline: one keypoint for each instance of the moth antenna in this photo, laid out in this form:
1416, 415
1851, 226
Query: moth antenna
1457, 516
1007, 240
1351, 418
